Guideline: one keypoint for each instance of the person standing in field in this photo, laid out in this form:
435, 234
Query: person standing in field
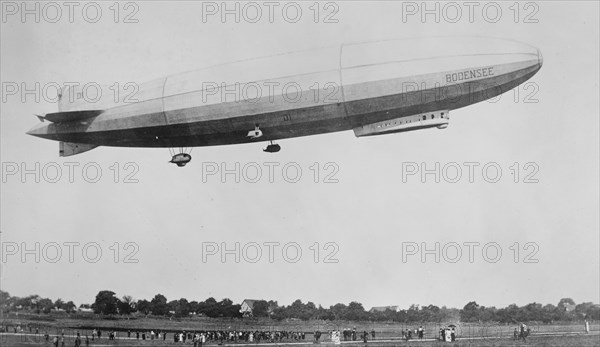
522, 333
587, 327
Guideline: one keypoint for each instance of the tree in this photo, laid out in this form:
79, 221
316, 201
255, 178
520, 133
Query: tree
260, 309
209, 307
356, 311
296, 309
158, 305
470, 313
127, 305
310, 311
562, 308
5, 301
106, 303
324, 314
338, 310
584, 310
45, 305
172, 306
564, 301
59, 304
430, 313
69, 306
194, 307
144, 306
228, 309
412, 314
182, 308
4, 296
280, 313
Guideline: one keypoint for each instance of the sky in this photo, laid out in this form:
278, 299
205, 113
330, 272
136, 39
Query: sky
355, 226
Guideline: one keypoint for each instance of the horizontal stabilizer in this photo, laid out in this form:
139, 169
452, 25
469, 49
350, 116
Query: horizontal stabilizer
70, 116
67, 149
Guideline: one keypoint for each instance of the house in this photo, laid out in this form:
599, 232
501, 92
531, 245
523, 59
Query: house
383, 309
247, 306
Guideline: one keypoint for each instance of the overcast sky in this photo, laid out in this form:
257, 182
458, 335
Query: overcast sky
552, 123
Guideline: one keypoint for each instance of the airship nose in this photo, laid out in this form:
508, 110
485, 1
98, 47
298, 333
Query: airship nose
40, 130
540, 58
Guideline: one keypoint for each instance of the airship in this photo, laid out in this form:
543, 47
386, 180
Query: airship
372, 88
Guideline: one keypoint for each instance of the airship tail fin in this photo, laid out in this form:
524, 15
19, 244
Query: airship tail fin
59, 117
89, 97
67, 149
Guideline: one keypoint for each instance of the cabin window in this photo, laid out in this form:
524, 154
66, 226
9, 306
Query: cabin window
424, 117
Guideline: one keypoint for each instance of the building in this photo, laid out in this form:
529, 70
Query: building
247, 306
383, 308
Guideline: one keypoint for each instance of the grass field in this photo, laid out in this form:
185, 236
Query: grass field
579, 340
387, 333
85, 323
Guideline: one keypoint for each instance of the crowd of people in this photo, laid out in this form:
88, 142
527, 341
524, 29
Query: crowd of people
407, 334
448, 334
352, 335
198, 338
348, 335
522, 332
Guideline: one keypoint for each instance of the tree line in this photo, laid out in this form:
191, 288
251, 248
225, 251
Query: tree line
107, 303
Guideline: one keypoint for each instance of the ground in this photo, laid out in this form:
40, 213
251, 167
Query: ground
388, 334
559, 341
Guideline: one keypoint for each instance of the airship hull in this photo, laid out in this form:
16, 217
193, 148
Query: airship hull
304, 93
